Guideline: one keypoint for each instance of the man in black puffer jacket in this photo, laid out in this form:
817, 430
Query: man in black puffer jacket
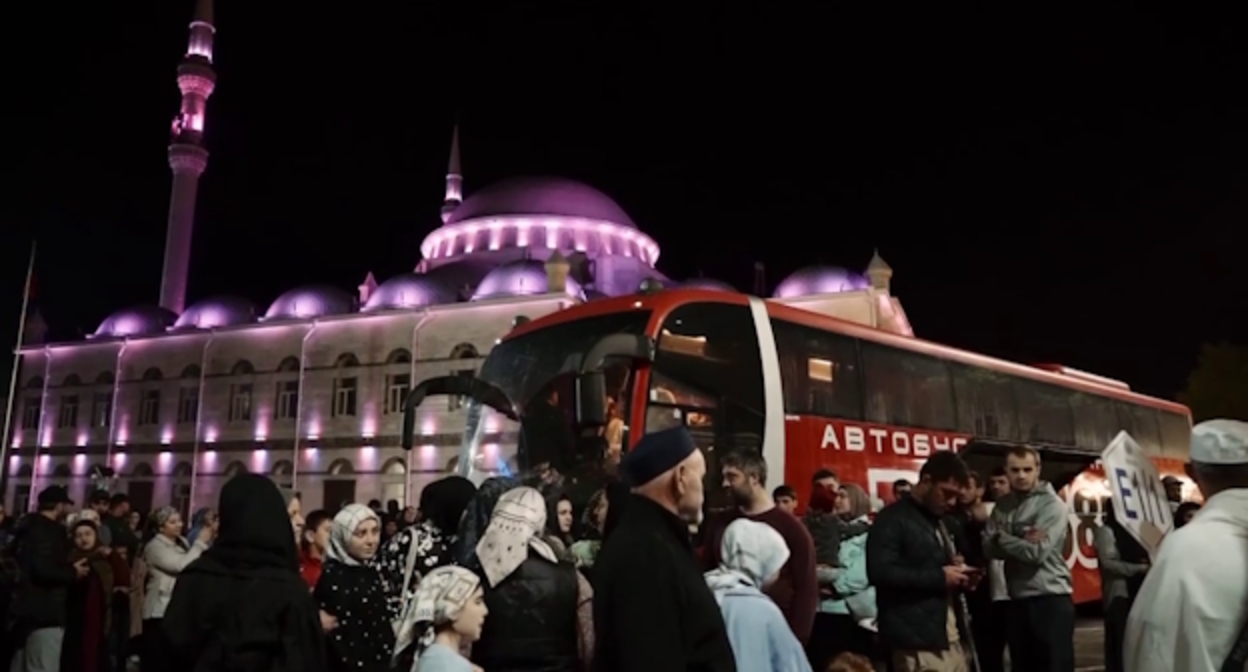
915, 578
42, 544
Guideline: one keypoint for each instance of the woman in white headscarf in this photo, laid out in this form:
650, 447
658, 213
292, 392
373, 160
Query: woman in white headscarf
541, 614
351, 591
751, 555
450, 611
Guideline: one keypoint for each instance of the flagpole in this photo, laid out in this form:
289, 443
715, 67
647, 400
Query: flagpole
7, 441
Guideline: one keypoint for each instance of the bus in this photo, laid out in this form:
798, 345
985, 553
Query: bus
807, 390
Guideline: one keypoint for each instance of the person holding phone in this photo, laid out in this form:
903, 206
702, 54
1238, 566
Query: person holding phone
916, 578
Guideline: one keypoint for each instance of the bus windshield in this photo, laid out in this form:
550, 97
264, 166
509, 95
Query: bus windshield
537, 372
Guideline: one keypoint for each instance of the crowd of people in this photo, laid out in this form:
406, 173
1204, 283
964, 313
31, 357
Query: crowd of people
515, 575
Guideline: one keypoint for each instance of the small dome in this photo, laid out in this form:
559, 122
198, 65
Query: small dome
136, 321
707, 283
526, 277
410, 290
819, 280
540, 196
221, 311
310, 301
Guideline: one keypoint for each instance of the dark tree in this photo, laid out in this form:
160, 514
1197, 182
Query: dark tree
1218, 386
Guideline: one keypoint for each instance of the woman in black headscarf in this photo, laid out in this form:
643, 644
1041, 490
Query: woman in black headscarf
242, 605
476, 519
1123, 563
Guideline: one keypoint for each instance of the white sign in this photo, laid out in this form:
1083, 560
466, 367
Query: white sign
1140, 503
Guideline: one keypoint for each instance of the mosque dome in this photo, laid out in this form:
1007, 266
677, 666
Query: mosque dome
310, 301
540, 197
819, 280
592, 294
538, 214
410, 290
221, 311
707, 283
526, 277
136, 321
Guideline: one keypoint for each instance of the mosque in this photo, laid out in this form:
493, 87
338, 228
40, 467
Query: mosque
166, 402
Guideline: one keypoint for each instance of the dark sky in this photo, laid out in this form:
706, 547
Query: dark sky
1060, 186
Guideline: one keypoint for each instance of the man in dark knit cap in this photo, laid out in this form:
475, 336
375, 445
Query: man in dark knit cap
652, 609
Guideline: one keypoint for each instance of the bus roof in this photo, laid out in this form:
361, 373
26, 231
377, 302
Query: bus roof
662, 302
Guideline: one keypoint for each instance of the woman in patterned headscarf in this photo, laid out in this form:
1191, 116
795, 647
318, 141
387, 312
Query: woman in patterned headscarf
450, 611
352, 592
475, 519
542, 607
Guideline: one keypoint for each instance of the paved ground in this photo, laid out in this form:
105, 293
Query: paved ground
1089, 638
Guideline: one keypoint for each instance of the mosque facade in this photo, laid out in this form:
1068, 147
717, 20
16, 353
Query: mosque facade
168, 401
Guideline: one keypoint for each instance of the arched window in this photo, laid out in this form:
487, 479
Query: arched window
105, 378
289, 365
191, 371
153, 374
395, 467
72, 380
341, 468
182, 470
35, 383
346, 359
242, 368
141, 469
62, 471
399, 356
282, 468
464, 351
234, 469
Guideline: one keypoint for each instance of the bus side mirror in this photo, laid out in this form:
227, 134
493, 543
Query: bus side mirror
591, 399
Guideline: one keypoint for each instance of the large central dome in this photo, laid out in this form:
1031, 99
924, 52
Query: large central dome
531, 217
539, 197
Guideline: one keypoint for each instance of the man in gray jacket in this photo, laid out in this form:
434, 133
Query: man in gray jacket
1027, 530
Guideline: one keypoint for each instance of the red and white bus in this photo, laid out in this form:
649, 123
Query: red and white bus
807, 390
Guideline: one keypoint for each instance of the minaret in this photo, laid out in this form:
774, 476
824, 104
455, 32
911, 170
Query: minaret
187, 156
879, 273
454, 179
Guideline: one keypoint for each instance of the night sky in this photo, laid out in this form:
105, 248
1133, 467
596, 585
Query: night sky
1065, 187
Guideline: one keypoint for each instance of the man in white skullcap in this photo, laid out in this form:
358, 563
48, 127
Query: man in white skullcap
1192, 608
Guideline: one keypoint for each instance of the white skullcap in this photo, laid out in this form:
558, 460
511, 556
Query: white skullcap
1220, 442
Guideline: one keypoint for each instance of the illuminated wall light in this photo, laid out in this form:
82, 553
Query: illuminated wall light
210, 435
80, 459
428, 426
44, 459
261, 436
119, 460
82, 440
17, 442
164, 458
166, 436
368, 427
210, 458
259, 459
309, 452
47, 439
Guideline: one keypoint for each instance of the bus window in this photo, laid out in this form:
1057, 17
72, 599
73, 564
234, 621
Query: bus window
1141, 423
985, 401
819, 371
1044, 413
1176, 435
708, 356
1096, 423
906, 389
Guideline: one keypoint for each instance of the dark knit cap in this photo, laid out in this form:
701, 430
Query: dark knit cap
656, 453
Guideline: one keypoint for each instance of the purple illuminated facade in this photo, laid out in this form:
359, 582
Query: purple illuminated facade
179, 399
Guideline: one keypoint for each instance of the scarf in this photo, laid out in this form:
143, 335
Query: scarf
343, 528
476, 518
441, 596
252, 518
750, 554
515, 528
101, 568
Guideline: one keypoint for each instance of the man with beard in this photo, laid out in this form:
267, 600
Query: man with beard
652, 608
796, 592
